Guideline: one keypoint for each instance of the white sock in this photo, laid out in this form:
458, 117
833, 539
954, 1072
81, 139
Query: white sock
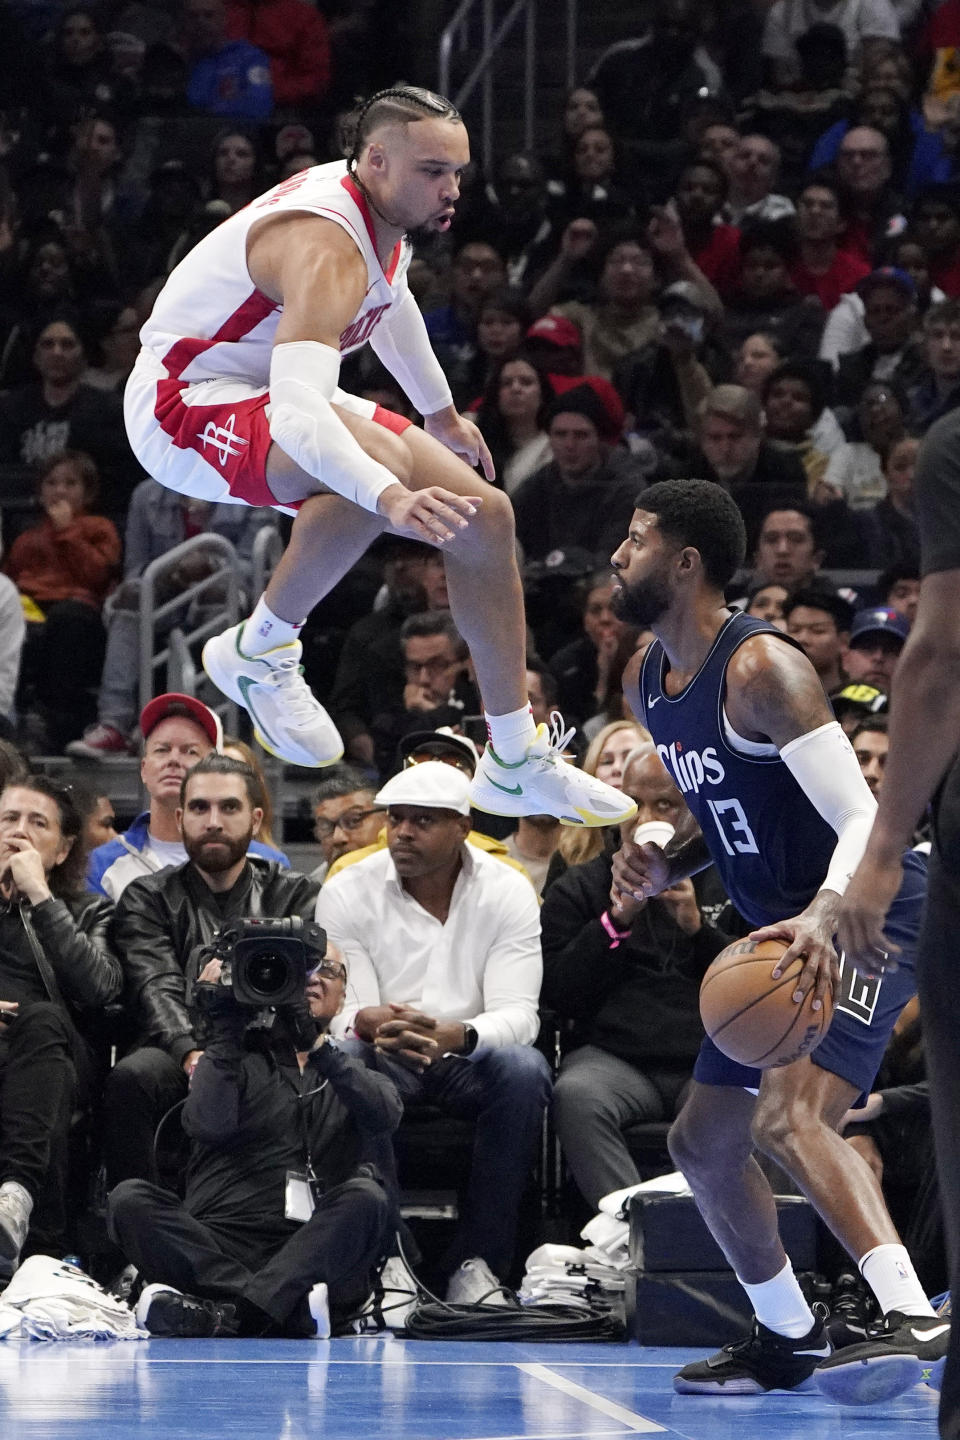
265, 631
889, 1272
779, 1304
510, 735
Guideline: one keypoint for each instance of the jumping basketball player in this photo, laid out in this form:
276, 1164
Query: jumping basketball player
740, 721
234, 398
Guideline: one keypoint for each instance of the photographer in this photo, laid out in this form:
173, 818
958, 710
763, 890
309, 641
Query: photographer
54, 965
283, 1214
160, 919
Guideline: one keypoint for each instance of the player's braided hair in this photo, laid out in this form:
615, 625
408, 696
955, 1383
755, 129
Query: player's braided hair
401, 104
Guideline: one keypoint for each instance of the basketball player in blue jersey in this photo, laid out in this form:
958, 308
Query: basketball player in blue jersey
740, 721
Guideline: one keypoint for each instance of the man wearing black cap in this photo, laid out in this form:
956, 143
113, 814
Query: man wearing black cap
584, 497
877, 637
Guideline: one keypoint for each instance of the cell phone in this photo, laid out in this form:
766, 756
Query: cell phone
475, 729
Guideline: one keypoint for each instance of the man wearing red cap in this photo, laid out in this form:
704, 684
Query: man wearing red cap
177, 731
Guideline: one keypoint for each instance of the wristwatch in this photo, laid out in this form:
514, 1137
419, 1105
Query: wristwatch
470, 1038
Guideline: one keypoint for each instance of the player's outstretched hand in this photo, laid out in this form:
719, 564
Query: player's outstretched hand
809, 938
639, 873
462, 437
434, 514
863, 910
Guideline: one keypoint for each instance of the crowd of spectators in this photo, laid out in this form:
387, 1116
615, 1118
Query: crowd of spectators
736, 258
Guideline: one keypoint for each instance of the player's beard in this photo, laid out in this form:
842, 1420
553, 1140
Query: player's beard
643, 603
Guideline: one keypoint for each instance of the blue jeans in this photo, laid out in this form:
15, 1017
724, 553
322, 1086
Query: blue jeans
505, 1091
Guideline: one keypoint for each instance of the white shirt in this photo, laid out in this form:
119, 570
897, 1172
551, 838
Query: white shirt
13, 630
857, 472
483, 964
858, 19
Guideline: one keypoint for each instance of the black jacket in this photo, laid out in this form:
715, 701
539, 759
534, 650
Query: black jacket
594, 515
73, 936
162, 917
252, 1116
639, 1001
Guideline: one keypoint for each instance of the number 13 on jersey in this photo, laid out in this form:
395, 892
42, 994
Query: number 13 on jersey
741, 838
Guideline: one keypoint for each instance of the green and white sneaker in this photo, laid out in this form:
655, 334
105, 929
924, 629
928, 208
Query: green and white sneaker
543, 783
287, 719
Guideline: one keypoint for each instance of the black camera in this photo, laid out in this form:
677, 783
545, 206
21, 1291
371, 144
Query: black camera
266, 962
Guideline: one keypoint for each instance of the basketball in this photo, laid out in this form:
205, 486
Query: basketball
753, 1018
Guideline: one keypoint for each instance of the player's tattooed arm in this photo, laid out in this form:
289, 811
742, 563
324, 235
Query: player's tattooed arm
773, 692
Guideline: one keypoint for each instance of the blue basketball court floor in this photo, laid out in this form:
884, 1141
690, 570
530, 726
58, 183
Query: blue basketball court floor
389, 1389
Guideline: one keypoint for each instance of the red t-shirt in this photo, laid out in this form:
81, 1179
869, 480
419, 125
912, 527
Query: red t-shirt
844, 275
719, 259
946, 275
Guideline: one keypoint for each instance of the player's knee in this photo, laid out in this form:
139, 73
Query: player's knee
394, 453
779, 1130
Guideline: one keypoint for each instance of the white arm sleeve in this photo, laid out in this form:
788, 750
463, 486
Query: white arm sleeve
402, 344
303, 381
824, 766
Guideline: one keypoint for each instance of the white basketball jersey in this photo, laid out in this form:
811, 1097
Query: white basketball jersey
211, 322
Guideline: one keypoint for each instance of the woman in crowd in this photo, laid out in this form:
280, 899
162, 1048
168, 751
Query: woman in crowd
512, 417
855, 470
606, 757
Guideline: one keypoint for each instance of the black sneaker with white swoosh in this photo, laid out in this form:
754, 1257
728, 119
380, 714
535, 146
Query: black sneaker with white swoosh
892, 1360
762, 1361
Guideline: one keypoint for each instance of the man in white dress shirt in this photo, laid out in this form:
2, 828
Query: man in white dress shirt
442, 945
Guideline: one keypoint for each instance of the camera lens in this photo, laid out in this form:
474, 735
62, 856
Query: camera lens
266, 974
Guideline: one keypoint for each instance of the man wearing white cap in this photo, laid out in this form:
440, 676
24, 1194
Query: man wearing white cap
442, 944
177, 731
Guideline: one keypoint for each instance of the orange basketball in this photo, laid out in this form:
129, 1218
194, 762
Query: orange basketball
753, 1018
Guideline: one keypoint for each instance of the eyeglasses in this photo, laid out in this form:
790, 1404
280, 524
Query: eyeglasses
330, 970
421, 757
351, 820
432, 667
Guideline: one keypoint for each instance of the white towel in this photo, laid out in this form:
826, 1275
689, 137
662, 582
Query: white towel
48, 1300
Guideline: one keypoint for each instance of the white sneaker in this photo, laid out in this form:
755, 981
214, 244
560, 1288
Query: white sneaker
16, 1205
543, 783
319, 1304
475, 1282
400, 1292
288, 720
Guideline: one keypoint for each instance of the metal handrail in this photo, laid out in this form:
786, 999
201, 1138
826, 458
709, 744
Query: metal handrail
225, 579
267, 549
494, 35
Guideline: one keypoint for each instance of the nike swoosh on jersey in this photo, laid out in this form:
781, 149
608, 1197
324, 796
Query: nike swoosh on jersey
651, 701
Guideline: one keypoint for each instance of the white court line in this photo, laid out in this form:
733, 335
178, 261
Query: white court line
473, 1364
637, 1423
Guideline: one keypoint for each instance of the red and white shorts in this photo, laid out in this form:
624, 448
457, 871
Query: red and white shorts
209, 439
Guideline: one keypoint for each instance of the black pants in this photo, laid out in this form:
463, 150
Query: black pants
938, 974
62, 663
339, 1245
39, 1063
139, 1090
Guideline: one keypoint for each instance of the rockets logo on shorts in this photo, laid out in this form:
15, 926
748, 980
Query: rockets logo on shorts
223, 439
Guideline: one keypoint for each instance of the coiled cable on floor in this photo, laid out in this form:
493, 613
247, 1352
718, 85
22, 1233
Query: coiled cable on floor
483, 1321
501, 1318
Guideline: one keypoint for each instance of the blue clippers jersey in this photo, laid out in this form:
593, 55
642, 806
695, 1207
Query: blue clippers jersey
769, 843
